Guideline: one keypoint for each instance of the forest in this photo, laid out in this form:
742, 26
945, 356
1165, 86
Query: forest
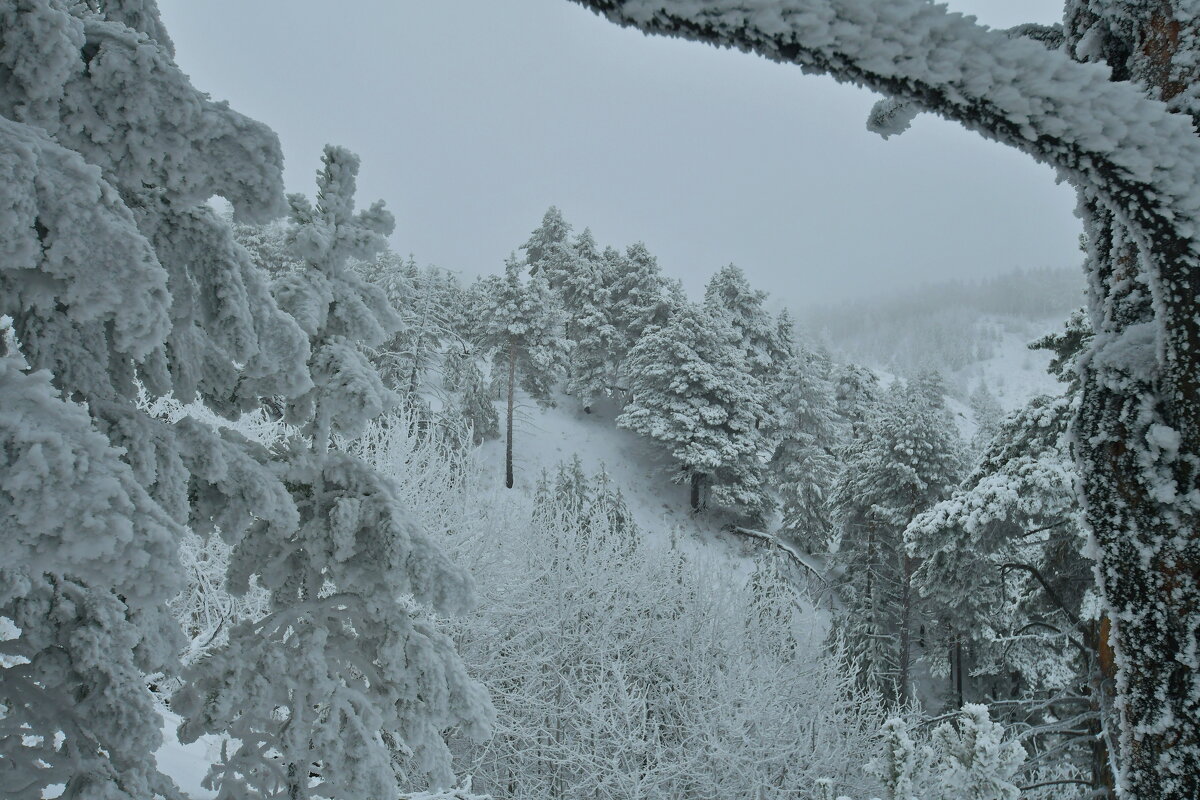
290, 514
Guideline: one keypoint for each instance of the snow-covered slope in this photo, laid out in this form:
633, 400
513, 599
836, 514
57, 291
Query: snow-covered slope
1013, 372
546, 437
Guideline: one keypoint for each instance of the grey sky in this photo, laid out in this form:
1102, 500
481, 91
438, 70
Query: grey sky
472, 116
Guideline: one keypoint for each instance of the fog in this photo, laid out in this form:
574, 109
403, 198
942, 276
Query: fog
472, 116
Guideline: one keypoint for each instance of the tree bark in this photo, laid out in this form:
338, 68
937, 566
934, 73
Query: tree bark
697, 486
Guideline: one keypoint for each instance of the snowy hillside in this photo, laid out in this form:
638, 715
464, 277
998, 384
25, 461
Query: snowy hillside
544, 438
972, 333
1011, 371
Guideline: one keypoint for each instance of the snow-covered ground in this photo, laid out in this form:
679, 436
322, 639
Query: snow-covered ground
1014, 373
187, 764
543, 438
546, 437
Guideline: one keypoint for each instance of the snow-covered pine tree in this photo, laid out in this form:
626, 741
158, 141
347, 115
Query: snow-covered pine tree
267, 245
81, 538
976, 761
856, 393
398, 278
609, 507
548, 251
344, 689
808, 433
426, 300
1140, 409
987, 414
907, 459
730, 292
639, 300
967, 757
690, 391
1003, 571
115, 270
902, 765
586, 304
471, 401
522, 328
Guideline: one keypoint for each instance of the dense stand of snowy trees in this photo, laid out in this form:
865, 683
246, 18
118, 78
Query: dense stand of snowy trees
1108, 99
118, 280
948, 325
240, 470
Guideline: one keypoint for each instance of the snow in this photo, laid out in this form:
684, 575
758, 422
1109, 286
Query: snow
1013, 372
186, 764
542, 438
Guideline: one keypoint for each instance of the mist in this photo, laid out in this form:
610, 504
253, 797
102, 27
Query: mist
472, 117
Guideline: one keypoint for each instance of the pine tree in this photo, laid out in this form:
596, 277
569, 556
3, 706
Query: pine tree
548, 251
76, 584
344, 674
639, 300
977, 762
808, 433
856, 392
612, 514
907, 459
1003, 571
523, 329
473, 401
987, 413
115, 270
729, 291
900, 769
586, 302
267, 246
689, 390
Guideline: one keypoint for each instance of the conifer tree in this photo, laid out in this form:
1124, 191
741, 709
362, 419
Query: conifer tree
522, 327
808, 434
586, 302
856, 392
907, 459
473, 401
1003, 570
346, 678
729, 291
114, 270
689, 390
987, 413
612, 512
639, 300
548, 251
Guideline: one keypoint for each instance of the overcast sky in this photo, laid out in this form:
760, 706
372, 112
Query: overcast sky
472, 116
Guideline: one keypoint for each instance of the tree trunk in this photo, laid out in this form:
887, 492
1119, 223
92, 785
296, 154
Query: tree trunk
697, 487
1148, 565
508, 445
904, 679
1148, 568
958, 672
1100, 693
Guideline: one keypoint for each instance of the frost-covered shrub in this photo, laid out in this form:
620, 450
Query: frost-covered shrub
623, 668
967, 757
